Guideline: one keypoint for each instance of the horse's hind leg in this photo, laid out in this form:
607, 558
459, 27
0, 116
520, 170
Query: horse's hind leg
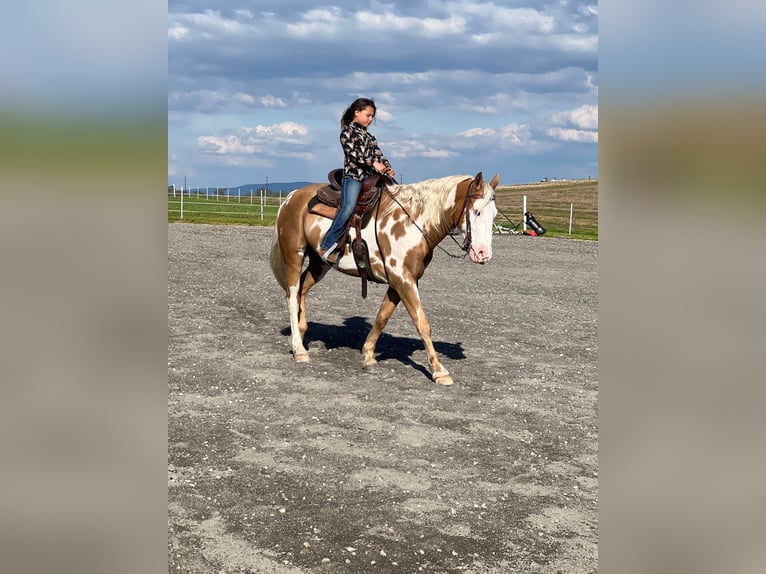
300, 353
387, 307
310, 277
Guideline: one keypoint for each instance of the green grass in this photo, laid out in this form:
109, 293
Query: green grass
234, 211
549, 202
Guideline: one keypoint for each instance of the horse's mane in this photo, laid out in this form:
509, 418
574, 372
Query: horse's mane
427, 197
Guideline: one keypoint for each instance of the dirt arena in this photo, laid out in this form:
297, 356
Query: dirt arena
328, 467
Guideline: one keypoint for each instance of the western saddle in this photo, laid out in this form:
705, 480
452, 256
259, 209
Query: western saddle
326, 203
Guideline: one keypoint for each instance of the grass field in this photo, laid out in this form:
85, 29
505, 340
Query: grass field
549, 202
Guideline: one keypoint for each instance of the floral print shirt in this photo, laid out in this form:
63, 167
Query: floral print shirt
360, 151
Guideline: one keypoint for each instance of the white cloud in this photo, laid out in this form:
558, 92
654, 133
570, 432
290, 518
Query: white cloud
481, 109
437, 153
477, 132
317, 23
203, 25
177, 32
585, 117
428, 27
575, 43
228, 145
416, 148
573, 135
273, 102
384, 116
516, 134
508, 19
243, 98
590, 10
273, 140
283, 130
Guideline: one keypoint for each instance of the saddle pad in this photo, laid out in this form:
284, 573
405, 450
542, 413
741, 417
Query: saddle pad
322, 209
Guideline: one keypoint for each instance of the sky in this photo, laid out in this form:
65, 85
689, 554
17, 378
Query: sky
256, 89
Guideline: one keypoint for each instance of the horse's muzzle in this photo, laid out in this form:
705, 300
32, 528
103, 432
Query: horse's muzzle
479, 254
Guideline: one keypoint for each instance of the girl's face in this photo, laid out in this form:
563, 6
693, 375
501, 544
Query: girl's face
364, 116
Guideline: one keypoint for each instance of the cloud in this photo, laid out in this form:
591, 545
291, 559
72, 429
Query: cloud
272, 102
426, 27
508, 135
281, 132
317, 23
573, 135
261, 139
416, 148
516, 134
583, 122
205, 25
477, 132
457, 83
383, 115
585, 117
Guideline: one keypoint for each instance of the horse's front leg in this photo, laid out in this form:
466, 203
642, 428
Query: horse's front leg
387, 307
411, 299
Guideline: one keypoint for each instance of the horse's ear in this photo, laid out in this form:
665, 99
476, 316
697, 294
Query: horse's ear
495, 181
479, 177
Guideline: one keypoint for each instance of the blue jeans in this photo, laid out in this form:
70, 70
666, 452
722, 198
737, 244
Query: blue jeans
349, 194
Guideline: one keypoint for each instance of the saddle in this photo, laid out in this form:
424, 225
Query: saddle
331, 194
326, 203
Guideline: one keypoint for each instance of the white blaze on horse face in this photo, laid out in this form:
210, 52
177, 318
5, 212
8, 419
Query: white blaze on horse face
482, 215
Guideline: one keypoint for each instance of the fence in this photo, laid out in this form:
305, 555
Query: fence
232, 206
554, 209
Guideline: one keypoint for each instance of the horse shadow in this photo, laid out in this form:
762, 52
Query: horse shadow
354, 331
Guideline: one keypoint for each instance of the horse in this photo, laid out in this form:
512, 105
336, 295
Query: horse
406, 225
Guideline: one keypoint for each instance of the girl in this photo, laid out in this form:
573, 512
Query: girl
361, 156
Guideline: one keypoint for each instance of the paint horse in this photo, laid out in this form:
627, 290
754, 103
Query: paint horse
406, 225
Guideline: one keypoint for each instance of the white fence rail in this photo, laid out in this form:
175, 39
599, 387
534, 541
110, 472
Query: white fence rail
255, 204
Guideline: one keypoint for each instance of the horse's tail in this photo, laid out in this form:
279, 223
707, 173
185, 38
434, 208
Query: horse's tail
277, 261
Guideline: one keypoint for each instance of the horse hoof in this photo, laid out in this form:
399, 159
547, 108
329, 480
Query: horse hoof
368, 364
301, 357
444, 380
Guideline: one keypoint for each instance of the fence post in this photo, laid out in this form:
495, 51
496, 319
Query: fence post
262, 204
523, 211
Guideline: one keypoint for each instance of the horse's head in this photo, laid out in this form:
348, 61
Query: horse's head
480, 214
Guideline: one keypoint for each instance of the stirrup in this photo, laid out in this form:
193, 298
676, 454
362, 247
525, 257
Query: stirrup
329, 251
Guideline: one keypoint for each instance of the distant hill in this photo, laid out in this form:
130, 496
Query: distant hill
273, 187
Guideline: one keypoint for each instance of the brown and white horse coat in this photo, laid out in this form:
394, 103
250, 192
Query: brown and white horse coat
401, 236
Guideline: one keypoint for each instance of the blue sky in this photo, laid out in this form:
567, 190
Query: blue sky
256, 88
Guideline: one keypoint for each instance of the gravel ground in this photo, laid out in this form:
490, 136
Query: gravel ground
328, 467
